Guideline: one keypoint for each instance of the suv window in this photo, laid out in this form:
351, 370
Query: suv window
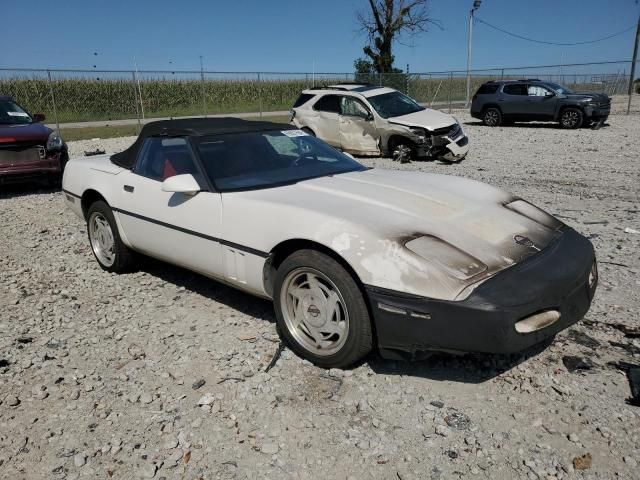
161, 158
487, 89
328, 103
537, 90
302, 99
354, 107
515, 89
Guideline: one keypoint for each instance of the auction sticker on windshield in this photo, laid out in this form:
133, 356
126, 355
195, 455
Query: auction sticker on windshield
17, 114
294, 133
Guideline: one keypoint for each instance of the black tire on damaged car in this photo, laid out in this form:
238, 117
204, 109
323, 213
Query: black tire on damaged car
492, 117
402, 149
359, 336
123, 257
571, 118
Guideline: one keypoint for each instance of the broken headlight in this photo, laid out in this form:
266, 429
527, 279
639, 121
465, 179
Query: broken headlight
449, 258
54, 142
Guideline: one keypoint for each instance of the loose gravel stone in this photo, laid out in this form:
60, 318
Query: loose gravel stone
79, 459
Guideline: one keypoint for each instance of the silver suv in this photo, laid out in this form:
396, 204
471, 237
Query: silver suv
371, 120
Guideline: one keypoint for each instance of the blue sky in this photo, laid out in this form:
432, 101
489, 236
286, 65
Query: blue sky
292, 35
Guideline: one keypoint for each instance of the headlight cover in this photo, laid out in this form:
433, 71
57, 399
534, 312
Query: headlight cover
54, 142
534, 213
459, 264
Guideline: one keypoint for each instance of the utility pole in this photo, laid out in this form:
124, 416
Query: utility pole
476, 5
633, 65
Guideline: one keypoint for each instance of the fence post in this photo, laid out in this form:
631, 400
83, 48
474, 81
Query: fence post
204, 97
53, 102
137, 80
135, 98
502, 74
260, 94
450, 86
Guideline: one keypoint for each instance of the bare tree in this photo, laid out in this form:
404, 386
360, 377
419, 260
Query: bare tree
388, 21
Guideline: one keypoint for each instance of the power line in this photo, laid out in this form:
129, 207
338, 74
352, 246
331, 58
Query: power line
553, 43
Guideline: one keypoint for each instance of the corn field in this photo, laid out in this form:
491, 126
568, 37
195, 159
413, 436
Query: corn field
102, 96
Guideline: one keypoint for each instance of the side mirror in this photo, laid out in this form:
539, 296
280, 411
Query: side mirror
549, 94
369, 117
181, 184
38, 117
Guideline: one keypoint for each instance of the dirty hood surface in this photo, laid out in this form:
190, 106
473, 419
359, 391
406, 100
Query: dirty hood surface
369, 217
427, 118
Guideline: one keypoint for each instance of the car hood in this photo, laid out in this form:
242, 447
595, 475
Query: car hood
465, 231
24, 133
427, 118
600, 97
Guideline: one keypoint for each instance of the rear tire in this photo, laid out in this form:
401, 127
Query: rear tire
107, 246
321, 312
571, 118
492, 117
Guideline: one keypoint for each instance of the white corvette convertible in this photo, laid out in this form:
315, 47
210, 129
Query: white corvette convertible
353, 258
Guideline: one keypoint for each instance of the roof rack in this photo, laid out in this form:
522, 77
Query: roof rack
528, 80
329, 88
342, 89
364, 84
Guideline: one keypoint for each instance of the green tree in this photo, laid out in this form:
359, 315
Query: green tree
388, 21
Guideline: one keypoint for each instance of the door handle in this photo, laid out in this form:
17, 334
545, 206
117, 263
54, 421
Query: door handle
128, 188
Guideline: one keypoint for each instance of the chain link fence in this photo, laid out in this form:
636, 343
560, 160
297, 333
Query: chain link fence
77, 96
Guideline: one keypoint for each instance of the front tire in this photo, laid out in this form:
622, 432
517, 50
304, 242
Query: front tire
492, 117
571, 118
402, 150
107, 246
320, 310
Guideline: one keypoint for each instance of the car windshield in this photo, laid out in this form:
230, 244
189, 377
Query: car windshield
394, 104
245, 161
559, 88
12, 114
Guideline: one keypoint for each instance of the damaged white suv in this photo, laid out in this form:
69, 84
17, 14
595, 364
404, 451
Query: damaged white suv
372, 120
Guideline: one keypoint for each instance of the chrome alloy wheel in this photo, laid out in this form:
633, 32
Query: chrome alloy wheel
491, 118
570, 118
314, 311
102, 241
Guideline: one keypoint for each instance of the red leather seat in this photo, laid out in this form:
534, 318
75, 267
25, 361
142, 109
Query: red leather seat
169, 170
178, 163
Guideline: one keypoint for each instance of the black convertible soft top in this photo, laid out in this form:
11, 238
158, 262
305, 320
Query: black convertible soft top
189, 127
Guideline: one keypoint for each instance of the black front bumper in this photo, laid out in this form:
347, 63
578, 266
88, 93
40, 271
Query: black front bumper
598, 112
557, 278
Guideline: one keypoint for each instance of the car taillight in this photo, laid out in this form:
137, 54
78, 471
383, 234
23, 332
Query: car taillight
474, 97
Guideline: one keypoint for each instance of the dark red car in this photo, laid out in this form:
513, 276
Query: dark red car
29, 150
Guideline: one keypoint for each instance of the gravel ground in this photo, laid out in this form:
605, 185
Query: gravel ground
161, 373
